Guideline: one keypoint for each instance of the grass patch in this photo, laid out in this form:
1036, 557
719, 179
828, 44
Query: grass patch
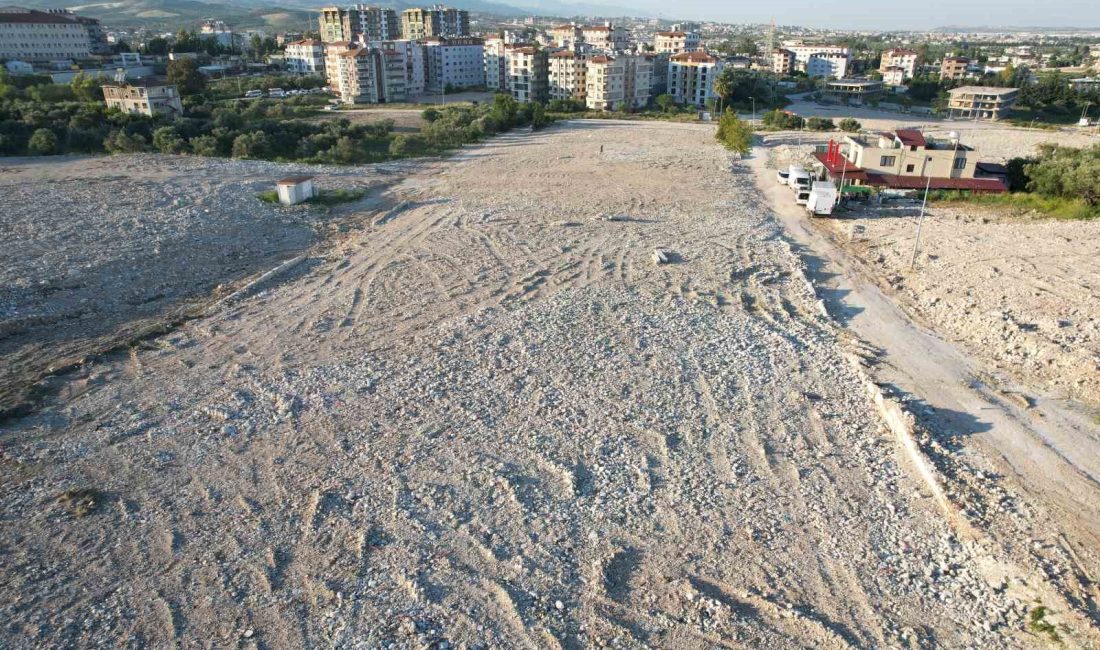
326, 198
1037, 623
81, 502
1020, 203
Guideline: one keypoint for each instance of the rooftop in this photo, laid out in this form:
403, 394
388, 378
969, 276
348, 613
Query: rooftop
694, 57
982, 90
32, 17
294, 180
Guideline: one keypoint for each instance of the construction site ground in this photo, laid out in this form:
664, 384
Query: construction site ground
568, 388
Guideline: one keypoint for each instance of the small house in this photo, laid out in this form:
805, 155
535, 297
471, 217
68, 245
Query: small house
295, 190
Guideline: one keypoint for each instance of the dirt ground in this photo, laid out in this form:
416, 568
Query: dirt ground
98, 251
486, 416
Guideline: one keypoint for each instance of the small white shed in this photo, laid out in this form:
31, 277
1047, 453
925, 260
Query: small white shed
295, 190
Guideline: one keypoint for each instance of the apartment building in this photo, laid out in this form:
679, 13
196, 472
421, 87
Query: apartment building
567, 75
28, 35
903, 58
419, 23
658, 81
691, 77
637, 79
458, 62
827, 65
377, 23
853, 91
305, 57
414, 56
606, 37
783, 61
566, 35
496, 64
528, 74
367, 75
338, 25
803, 53
150, 96
676, 42
893, 76
954, 67
981, 102
604, 83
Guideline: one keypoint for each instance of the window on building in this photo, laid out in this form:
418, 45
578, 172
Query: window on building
960, 163
887, 161
910, 168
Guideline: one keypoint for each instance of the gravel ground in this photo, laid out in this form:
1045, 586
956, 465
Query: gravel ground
488, 418
97, 251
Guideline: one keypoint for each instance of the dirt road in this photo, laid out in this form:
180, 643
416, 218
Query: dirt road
1045, 451
488, 416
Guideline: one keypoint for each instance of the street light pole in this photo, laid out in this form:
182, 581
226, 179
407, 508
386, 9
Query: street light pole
920, 222
753, 111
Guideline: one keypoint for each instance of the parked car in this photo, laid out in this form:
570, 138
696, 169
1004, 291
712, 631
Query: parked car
276, 92
254, 94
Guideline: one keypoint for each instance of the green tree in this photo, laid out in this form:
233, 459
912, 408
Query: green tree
86, 88
157, 47
205, 145
734, 133
123, 142
665, 102
185, 74
167, 140
820, 124
849, 125
538, 117
253, 144
430, 114
43, 142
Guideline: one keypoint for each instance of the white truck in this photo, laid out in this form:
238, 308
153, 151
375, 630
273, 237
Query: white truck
821, 199
781, 176
798, 178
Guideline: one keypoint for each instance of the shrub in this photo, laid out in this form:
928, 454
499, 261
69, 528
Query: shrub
820, 124
205, 145
167, 140
122, 142
250, 145
430, 115
849, 125
42, 143
782, 120
665, 102
734, 134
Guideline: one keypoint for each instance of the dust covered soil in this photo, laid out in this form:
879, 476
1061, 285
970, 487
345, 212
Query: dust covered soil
487, 418
98, 252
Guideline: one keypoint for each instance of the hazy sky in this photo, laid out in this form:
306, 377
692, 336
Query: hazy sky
883, 14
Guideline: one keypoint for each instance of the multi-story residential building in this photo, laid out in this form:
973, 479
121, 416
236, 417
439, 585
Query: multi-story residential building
414, 56
339, 25
803, 53
783, 61
658, 81
691, 77
29, 35
424, 22
528, 74
496, 64
458, 62
954, 67
305, 57
604, 83
981, 102
149, 96
828, 65
903, 58
676, 42
367, 75
606, 37
637, 79
567, 73
853, 91
96, 36
893, 76
566, 35
377, 23
394, 74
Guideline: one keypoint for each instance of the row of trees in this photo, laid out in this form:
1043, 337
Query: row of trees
783, 121
1063, 172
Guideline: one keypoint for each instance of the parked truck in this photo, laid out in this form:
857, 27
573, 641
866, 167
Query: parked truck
821, 199
799, 178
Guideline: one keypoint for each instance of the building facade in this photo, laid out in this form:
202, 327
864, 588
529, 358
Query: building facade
903, 58
566, 35
27, 35
305, 57
377, 23
458, 62
606, 37
832, 65
603, 83
893, 76
783, 61
567, 75
338, 25
853, 91
981, 102
418, 23
496, 64
691, 77
906, 152
676, 42
637, 79
414, 56
528, 74
954, 67
803, 53
149, 96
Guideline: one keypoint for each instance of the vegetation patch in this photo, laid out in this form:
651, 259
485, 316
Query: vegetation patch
81, 502
1037, 623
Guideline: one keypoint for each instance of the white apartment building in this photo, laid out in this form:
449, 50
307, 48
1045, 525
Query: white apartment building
305, 57
495, 64
414, 58
691, 77
566, 35
458, 62
148, 96
903, 58
567, 72
606, 37
528, 74
783, 61
676, 42
803, 52
604, 83
893, 76
27, 35
828, 65
354, 76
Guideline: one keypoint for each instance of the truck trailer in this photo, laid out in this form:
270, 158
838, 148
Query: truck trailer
821, 199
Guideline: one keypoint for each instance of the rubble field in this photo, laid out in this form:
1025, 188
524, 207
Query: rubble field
98, 251
491, 415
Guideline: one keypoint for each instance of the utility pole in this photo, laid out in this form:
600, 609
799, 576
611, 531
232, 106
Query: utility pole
920, 222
